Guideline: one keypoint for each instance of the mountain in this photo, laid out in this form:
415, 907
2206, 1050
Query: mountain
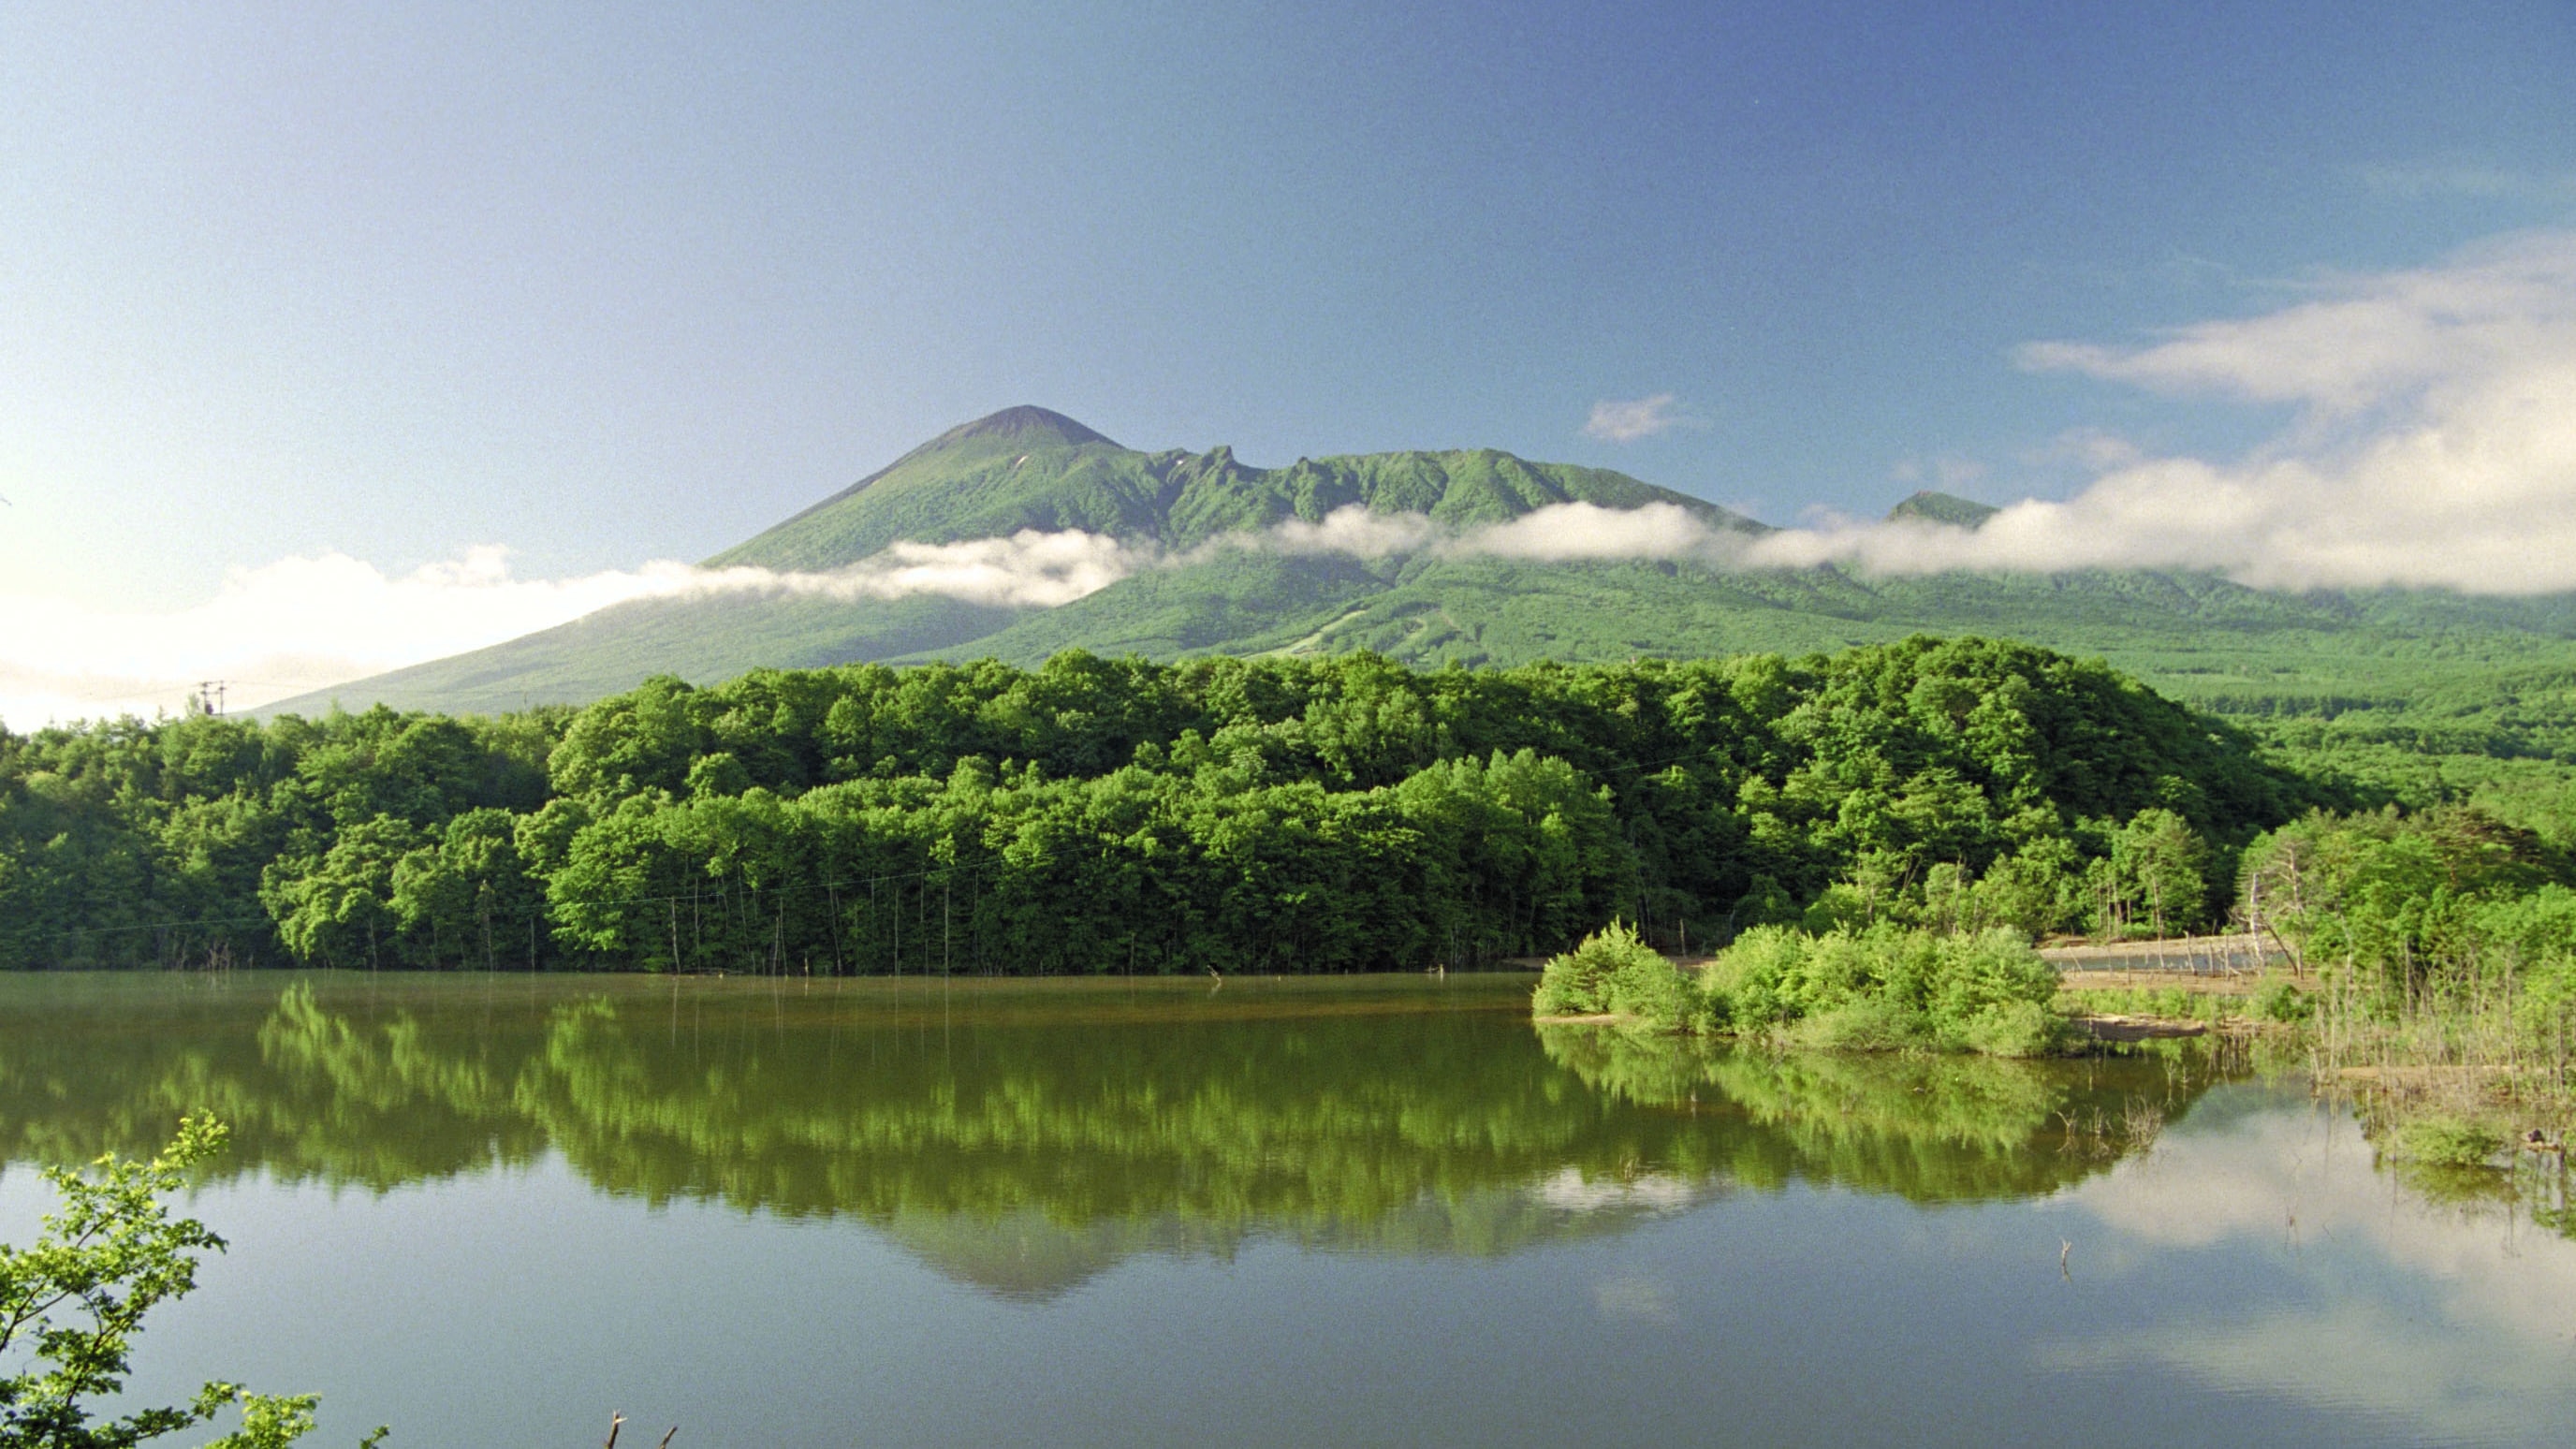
1210, 589
1028, 468
1927, 506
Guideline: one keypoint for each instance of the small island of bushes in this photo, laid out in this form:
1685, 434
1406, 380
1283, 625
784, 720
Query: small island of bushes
1883, 987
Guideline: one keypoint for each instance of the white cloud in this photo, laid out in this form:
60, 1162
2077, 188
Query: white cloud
2433, 445
305, 623
1626, 422
1568, 531
1351, 530
2430, 441
2423, 334
1029, 569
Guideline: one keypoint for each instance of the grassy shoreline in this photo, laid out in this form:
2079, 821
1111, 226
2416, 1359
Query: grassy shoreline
2437, 1086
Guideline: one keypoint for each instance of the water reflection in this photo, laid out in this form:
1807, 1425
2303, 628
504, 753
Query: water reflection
2439, 1308
1471, 1231
1024, 1137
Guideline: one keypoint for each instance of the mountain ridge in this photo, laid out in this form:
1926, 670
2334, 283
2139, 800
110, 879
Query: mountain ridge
1031, 468
1927, 506
1027, 467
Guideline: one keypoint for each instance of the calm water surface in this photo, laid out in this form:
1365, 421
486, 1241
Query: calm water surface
488, 1210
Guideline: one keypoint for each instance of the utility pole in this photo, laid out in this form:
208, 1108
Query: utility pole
210, 697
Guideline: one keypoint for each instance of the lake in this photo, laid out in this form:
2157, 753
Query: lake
493, 1209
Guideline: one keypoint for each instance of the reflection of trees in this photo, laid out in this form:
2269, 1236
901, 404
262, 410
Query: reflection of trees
1022, 1136
1924, 1127
367, 1093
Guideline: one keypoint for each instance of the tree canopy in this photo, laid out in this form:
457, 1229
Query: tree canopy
1280, 814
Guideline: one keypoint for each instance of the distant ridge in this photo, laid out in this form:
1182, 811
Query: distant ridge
1927, 506
2195, 634
1029, 468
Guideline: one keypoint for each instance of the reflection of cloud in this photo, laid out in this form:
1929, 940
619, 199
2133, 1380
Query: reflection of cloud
1626, 422
1570, 1191
1642, 1299
2373, 1359
2458, 1322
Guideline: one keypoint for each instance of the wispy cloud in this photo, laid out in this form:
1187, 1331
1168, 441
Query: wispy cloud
1567, 532
1353, 531
1948, 470
1626, 422
305, 623
2091, 449
2432, 443
2461, 177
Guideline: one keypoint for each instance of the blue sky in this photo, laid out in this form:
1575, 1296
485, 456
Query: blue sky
606, 286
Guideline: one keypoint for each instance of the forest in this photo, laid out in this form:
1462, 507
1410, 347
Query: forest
1291, 814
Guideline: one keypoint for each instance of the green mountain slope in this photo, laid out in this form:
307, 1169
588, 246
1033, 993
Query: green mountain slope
2194, 635
1030, 468
1930, 507
702, 639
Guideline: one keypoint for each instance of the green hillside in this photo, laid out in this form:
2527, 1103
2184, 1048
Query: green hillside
1029, 468
2196, 636
1930, 507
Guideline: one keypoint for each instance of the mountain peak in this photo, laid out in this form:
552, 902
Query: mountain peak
1022, 424
1927, 506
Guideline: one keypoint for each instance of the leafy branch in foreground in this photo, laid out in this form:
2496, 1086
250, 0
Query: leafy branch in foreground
75, 1300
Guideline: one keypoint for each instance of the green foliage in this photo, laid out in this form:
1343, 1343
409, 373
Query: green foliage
1885, 988
1930, 1127
1292, 814
2279, 999
2442, 941
75, 1299
2425, 910
2171, 1002
2158, 870
1614, 973
1029, 468
2448, 1142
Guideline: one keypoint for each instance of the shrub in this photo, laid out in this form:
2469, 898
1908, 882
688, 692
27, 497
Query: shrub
2278, 999
2447, 1142
1885, 987
1612, 972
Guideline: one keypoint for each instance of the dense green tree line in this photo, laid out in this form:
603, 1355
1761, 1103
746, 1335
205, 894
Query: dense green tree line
1300, 814
2445, 915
